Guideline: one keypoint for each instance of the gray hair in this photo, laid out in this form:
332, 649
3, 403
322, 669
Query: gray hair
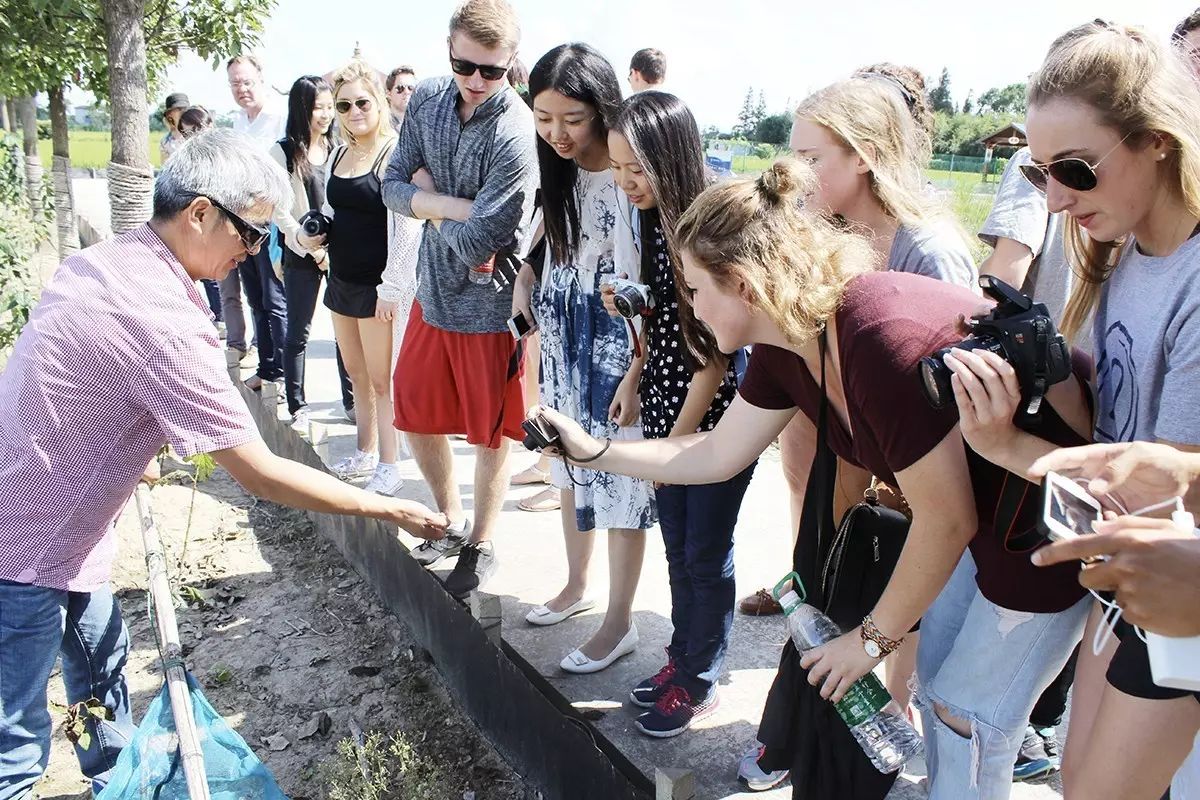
228, 167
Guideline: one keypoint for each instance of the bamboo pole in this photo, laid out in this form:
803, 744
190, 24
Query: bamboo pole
172, 652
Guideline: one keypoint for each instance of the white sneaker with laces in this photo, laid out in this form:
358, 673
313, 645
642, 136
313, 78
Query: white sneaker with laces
386, 480
300, 421
355, 466
751, 774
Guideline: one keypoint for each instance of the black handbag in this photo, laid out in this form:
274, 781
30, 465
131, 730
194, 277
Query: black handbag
860, 559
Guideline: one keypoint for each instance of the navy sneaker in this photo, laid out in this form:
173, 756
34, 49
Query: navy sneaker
675, 712
647, 693
1032, 759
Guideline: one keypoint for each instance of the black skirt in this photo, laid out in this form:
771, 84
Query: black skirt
349, 299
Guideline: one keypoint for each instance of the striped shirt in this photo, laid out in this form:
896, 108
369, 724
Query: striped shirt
119, 357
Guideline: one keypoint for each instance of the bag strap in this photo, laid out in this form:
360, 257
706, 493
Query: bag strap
824, 466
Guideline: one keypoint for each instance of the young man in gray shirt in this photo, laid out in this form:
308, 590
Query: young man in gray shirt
466, 163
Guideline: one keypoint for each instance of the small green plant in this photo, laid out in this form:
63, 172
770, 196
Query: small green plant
383, 767
77, 716
204, 466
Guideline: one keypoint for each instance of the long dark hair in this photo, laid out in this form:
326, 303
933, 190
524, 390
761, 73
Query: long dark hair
664, 137
302, 99
577, 71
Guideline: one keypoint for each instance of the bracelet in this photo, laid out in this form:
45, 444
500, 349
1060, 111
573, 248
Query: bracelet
875, 643
603, 450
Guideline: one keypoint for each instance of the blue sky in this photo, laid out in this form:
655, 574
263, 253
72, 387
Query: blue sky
715, 51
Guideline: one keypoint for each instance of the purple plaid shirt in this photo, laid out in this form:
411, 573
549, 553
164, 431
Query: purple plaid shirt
119, 357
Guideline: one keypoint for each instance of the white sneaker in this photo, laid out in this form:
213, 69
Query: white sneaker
751, 774
300, 421
355, 466
386, 480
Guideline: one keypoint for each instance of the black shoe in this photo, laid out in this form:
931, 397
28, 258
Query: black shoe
647, 693
476, 563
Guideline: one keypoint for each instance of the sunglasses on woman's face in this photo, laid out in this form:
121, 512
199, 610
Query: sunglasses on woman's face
1073, 173
490, 72
363, 103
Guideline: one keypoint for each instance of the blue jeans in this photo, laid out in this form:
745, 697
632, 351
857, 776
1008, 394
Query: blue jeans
987, 665
697, 528
212, 293
232, 314
36, 625
268, 307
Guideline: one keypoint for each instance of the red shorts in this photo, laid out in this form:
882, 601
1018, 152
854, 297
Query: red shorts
466, 383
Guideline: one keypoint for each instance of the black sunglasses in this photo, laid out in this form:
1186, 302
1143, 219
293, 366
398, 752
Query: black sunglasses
343, 106
252, 235
490, 72
1073, 173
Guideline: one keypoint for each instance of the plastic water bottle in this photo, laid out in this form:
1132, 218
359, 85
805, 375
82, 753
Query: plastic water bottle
867, 708
482, 273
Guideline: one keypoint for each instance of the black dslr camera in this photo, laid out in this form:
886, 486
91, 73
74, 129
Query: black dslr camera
539, 433
1018, 330
314, 223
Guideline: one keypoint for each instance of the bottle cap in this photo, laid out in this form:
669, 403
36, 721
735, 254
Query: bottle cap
790, 601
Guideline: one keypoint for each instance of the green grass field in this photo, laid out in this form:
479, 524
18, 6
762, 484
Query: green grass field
94, 148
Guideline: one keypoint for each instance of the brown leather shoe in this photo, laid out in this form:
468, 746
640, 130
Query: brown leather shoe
760, 604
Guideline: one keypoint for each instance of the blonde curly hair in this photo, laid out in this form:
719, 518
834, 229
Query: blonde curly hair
793, 263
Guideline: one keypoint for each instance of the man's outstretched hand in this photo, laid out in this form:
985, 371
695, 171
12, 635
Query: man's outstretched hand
418, 519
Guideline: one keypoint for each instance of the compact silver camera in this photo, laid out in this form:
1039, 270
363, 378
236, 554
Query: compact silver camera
632, 299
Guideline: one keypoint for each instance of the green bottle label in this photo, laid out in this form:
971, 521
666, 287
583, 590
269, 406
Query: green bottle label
865, 699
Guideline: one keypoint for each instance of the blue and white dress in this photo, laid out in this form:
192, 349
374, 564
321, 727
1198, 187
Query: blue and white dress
586, 353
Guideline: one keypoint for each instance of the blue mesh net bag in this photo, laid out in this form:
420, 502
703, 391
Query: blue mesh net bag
149, 768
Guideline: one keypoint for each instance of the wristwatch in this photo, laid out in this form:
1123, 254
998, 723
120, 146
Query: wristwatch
875, 643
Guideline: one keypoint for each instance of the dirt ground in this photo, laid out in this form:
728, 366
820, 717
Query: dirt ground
279, 630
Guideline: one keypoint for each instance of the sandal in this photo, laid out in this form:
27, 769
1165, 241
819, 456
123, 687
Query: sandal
545, 500
530, 476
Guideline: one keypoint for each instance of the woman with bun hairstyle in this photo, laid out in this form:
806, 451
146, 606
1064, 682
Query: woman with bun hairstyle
837, 339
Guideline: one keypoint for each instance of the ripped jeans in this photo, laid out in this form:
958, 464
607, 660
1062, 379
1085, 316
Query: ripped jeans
987, 665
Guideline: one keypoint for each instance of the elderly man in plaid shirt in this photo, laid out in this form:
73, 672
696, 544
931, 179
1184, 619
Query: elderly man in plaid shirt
119, 358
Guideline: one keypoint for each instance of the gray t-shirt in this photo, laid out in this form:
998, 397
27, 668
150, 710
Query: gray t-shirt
1019, 213
936, 250
1147, 335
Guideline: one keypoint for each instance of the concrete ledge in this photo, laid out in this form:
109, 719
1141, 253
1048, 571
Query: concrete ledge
531, 724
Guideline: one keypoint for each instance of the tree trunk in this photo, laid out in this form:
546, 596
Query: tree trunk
4, 123
130, 176
27, 108
64, 197
10, 108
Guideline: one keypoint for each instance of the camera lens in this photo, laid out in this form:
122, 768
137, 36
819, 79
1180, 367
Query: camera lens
935, 380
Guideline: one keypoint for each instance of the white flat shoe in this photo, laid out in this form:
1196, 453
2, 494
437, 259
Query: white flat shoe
544, 616
580, 664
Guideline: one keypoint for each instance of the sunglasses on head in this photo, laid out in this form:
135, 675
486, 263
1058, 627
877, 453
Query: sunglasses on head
343, 106
1075, 174
252, 235
490, 72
